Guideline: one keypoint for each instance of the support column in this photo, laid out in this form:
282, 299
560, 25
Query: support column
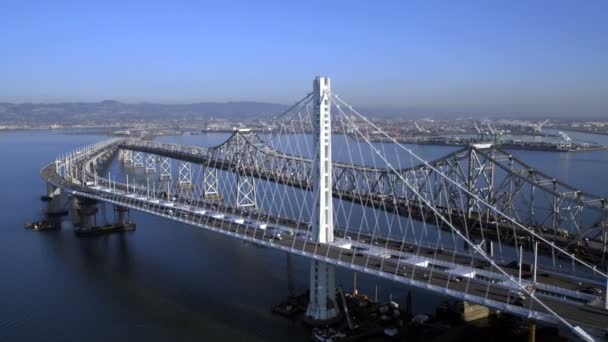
55, 201
211, 188
470, 186
532, 332
322, 222
490, 197
322, 305
127, 156
165, 168
51, 191
87, 212
245, 191
185, 175
138, 159
150, 163
166, 176
121, 214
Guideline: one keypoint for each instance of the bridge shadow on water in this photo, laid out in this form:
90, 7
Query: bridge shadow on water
172, 281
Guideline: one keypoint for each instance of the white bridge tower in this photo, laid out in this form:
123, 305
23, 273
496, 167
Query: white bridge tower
322, 305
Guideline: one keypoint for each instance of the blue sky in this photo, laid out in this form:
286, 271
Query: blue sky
482, 57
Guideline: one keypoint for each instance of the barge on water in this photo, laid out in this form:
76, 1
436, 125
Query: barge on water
43, 225
108, 229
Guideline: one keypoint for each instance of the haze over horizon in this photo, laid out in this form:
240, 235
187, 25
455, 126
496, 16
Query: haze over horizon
547, 58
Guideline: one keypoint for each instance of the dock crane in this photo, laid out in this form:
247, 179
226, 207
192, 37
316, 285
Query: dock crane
420, 129
538, 127
566, 141
478, 130
492, 131
490, 128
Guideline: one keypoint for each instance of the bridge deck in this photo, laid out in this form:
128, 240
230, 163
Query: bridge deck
496, 295
457, 275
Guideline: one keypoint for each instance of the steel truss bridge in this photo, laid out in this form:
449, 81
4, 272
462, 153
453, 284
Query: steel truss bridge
477, 225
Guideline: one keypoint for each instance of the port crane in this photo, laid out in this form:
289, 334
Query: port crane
538, 127
420, 129
478, 130
492, 131
490, 128
566, 141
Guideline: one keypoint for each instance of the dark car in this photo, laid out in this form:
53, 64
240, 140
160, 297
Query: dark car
591, 290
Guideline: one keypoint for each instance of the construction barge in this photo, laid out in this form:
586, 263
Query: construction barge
44, 225
107, 229
359, 318
363, 319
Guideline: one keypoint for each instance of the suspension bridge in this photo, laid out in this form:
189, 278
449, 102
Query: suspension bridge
477, 225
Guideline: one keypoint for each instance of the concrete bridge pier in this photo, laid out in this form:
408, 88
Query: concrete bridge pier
87, 213
85, 220
52, 191
122, 215
322, 305
55, 201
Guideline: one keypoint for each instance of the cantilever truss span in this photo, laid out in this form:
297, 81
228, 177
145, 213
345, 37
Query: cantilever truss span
571, 218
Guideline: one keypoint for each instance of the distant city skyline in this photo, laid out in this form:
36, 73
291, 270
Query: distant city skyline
541, 58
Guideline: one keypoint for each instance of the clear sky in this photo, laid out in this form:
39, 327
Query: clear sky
493, 57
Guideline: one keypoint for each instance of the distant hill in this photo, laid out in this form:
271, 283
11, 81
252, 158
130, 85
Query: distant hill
111, 111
